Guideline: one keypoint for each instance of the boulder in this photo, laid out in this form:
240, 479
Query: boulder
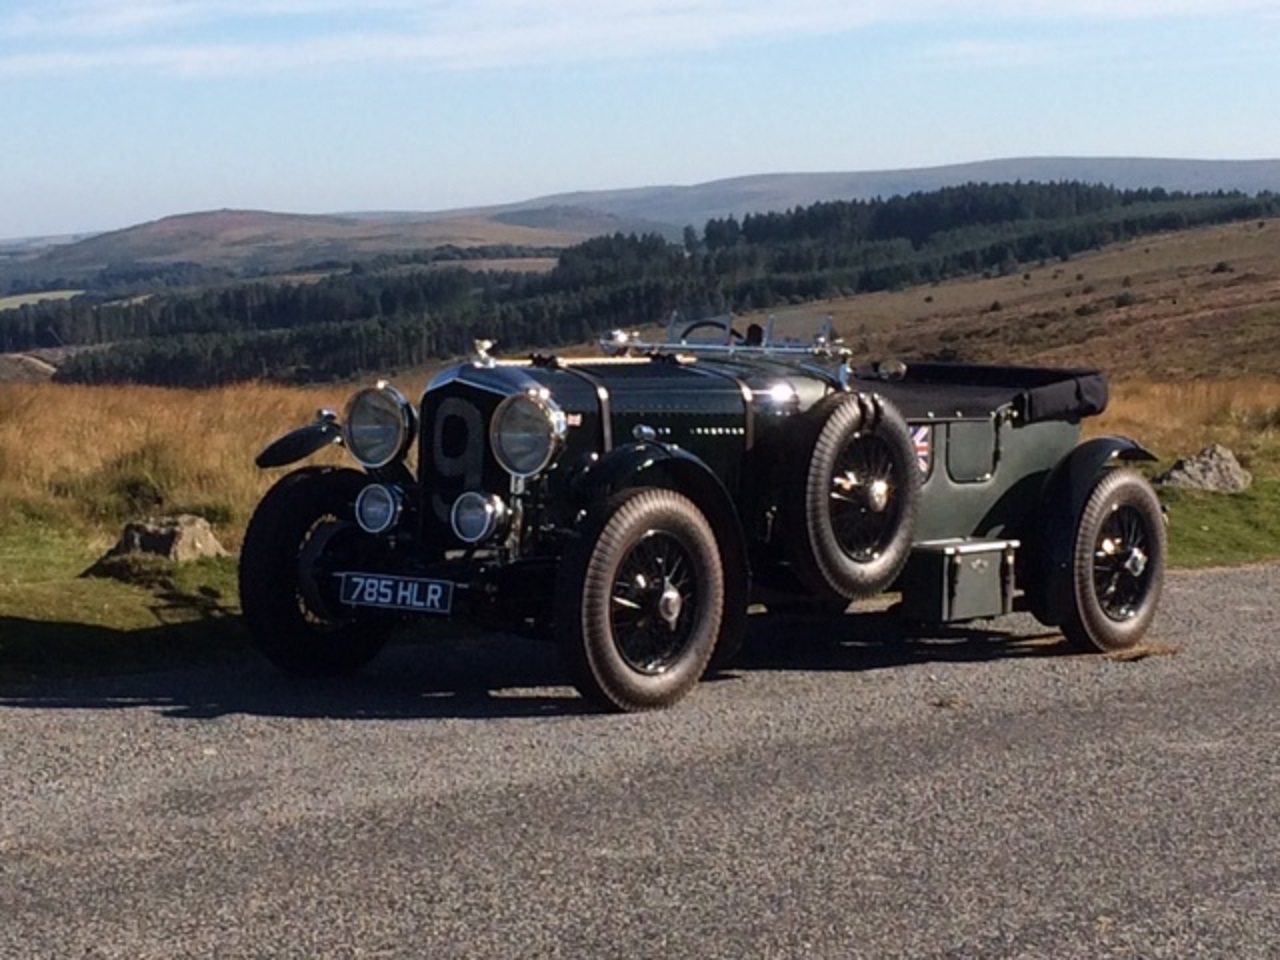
180, 538
1214, 469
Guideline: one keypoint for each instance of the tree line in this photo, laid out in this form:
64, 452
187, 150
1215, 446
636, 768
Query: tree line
402, 311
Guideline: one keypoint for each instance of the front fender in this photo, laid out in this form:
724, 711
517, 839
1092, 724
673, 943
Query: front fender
624, 466
1050, 571
649, 463
299, 444
652, 463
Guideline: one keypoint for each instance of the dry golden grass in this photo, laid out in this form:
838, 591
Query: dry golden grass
1178, 419
97, 455
94, 454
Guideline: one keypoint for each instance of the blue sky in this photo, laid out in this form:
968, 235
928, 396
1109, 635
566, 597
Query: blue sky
114, 112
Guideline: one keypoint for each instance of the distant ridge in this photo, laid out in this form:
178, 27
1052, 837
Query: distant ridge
261, 241
258, 241
697, 203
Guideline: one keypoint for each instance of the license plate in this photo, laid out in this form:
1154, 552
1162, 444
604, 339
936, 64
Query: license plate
397, 593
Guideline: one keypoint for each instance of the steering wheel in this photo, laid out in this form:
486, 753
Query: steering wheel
700, 324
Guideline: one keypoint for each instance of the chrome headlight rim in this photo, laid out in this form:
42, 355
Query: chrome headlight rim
400, 416
548, 413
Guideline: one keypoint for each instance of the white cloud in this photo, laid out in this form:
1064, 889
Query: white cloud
238, 36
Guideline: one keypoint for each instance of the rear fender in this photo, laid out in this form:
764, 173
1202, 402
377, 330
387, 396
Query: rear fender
1048, 572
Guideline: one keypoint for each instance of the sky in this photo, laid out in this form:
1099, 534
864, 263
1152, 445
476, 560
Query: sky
116, 112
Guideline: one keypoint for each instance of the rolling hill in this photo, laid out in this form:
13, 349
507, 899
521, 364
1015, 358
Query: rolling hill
1177, 307
1180, 307
261, 242
681, 205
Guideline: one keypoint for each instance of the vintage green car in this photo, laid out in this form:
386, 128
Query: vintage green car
632, 506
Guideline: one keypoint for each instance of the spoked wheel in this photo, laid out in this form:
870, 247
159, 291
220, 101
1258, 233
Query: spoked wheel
300, 535
1119, 563
855, 516
1121, 560
640, 601
655, 582
865, 515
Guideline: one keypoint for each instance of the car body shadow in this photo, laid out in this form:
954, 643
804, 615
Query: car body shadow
206, 669
199, 671
878, 640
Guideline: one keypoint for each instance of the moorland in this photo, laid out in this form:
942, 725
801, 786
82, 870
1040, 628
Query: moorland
1179, 303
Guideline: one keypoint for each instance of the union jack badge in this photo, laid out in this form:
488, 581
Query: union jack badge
924, 449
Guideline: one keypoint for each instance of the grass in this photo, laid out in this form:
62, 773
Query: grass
72, 455
55, 622
75, 464
1176, 420
1213, 530
26, 299
1180, 418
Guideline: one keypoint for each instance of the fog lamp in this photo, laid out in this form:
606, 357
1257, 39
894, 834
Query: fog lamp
476, 517
378, 508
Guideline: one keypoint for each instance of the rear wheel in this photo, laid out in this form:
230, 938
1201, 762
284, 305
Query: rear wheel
640, 600
1118, 564
301, 533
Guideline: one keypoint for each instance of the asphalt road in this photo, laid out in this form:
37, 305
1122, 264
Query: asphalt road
845, 793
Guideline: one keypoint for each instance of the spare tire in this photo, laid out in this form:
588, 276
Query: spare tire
854, 496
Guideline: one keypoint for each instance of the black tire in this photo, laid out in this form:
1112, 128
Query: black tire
1117, 564
854, 504
732, 637
640, 600
303, 529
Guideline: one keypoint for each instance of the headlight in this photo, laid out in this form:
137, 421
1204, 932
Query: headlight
527, 433
378, 427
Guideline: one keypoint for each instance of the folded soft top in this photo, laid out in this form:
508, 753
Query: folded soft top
966, 391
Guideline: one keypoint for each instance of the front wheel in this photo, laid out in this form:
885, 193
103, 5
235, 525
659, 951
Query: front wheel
300, 535
1118, 564
640, 600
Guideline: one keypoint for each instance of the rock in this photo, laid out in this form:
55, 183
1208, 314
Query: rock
1215, 469
180, 539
